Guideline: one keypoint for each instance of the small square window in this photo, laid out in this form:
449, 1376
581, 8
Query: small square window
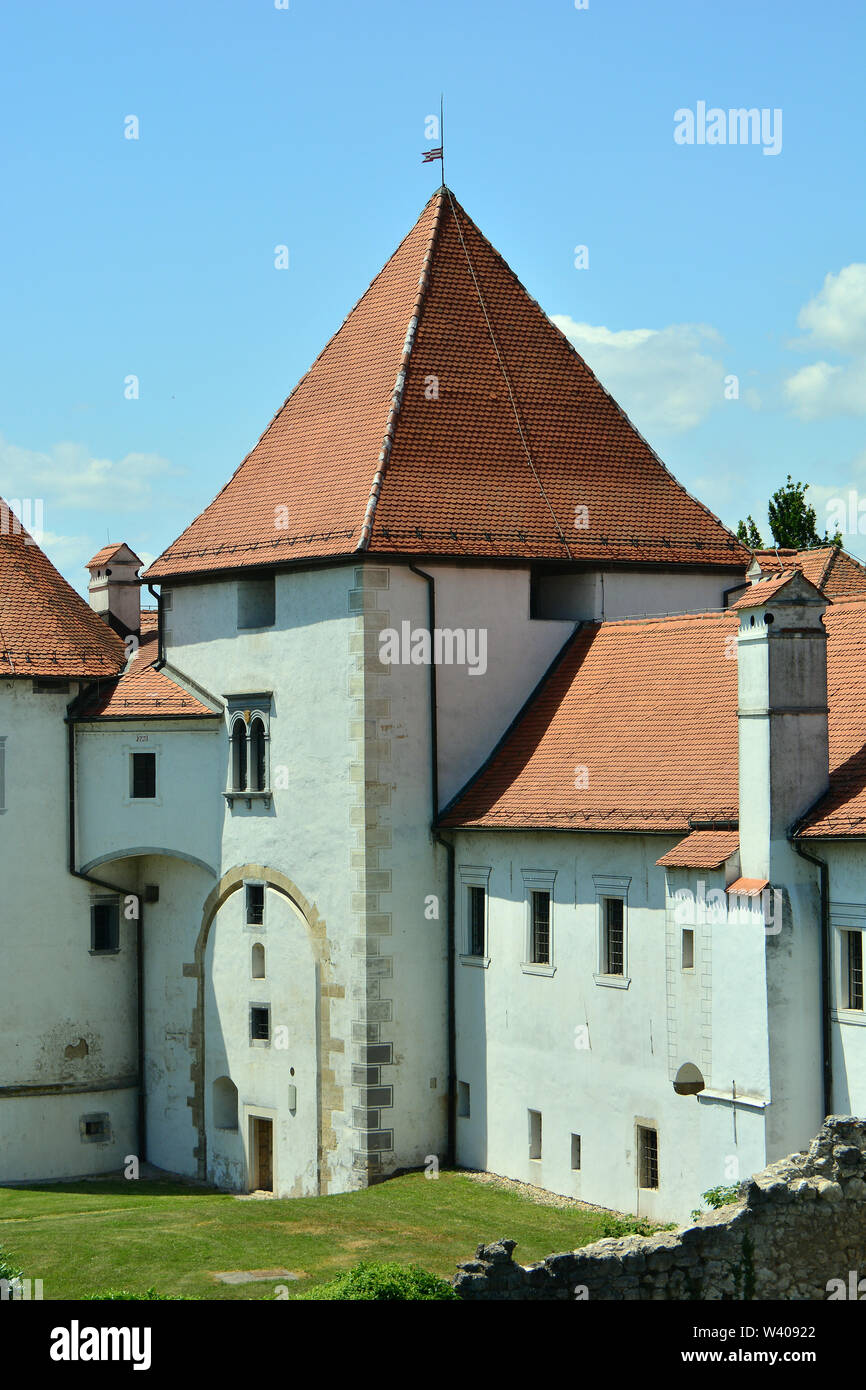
688, 948
647, 1157
463, 1100
95, 1129
575, 1151
534, 1133
260, 1022
143, 775
854, 969
475, 914
104, 927
539, 940
256, 602
255, 904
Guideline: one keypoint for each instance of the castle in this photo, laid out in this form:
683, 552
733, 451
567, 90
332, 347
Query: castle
465, 790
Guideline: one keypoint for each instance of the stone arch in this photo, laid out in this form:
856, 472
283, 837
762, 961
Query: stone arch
329, 1095
225, 1103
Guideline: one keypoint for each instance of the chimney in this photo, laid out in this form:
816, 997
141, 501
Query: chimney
784, 756
114, 588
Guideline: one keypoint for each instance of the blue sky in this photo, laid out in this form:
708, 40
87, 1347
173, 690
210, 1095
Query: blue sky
304, 127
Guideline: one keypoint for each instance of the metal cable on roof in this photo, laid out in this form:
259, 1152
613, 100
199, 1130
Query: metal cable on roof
504, 371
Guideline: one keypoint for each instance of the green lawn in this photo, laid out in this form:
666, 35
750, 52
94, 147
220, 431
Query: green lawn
82, 1237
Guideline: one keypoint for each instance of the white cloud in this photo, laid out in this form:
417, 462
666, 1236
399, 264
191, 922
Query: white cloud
70, 476
835, 318
665, 379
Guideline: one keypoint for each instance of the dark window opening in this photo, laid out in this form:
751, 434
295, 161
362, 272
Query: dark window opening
260, 1022
239, 756
143, 775
648, 1157
255, 904
540, 934
258, 781
476, 921
855, 969
614, 936
104, 927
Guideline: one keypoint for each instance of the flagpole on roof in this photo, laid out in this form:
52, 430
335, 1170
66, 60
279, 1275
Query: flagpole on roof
442, 132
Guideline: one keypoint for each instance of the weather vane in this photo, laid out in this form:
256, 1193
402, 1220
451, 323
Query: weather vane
439, 152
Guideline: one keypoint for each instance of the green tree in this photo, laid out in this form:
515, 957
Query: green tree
748, 533
792, 521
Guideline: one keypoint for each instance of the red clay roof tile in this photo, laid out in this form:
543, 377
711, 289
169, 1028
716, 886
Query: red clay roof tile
142, 692
46, 628
702, 849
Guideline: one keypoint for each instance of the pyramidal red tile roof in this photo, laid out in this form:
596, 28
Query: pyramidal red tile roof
635, 728
450, 416
46, 628
143, 692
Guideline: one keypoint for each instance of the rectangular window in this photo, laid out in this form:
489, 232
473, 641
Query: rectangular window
539, 939
575, 1150
463, 1100
143, 775
854, 961
104, 926
256, 602
255, 904
688, 948
614, 936
260, 1022
475, 913
534, 1133
647, 1157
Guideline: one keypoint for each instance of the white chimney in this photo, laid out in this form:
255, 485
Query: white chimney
114, 589
784, 760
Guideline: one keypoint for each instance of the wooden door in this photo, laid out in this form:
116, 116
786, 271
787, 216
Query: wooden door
263, 1154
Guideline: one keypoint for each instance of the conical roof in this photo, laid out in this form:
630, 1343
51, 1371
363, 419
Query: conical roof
449, 416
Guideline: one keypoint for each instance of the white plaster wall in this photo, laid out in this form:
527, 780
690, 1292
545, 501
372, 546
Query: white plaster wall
597, 594
263, 1073
516, 1035
847, 865
52, 990
183, 819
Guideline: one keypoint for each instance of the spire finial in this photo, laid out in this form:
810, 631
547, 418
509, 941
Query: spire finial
439, 151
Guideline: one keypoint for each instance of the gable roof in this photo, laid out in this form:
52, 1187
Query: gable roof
108, 552
46, 628
828, 567
765, 589
143, 692
450, 416
646, 708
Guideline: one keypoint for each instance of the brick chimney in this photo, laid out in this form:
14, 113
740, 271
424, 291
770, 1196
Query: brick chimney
114, 589
783, 736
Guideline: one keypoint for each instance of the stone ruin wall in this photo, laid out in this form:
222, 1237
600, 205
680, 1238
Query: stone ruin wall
797, 1225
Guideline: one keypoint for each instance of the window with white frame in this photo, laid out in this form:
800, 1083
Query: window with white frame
538, 885
849, 923
474, 907
853, 969
611, 894
249, 719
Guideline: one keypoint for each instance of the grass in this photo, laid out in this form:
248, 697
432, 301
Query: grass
83, 1237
